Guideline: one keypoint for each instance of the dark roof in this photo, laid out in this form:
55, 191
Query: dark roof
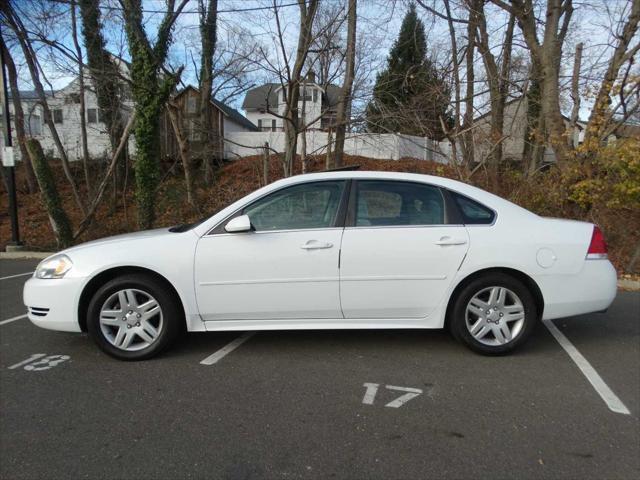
31, 94
235, 115
256, 98
232, 113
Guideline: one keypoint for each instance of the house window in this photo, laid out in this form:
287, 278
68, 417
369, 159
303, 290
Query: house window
267, 125
305, 94
315, 95
92, 115
194, 131
57, 115
192, 105
33, 125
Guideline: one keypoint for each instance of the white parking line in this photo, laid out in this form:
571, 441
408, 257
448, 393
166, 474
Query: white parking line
610, 398
9, 320
227, 349
15, 276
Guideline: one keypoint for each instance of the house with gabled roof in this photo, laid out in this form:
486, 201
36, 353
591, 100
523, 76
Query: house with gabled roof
265, 105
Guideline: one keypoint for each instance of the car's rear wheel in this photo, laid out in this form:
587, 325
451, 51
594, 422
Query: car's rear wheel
494, 314
134, 317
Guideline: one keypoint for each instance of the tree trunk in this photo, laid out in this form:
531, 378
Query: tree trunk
265, 164
208, 122
575, 95
49, 193
456, 78
344, 105
183, 145
104, 73
467, 122
32, 185
151, 89
83, 119
327, 164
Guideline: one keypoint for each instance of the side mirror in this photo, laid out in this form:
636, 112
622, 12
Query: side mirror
238, 224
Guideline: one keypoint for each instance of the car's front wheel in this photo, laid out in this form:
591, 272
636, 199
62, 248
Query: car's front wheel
494, 314
134, 317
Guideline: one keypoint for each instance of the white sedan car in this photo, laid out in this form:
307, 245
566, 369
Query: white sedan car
333, 250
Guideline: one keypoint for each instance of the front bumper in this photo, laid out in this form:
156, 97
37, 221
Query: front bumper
53, 303
593, 289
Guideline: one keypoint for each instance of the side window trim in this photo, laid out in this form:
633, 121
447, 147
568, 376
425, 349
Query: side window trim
339, 220
451, 214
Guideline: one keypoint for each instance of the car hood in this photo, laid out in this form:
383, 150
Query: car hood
126, 237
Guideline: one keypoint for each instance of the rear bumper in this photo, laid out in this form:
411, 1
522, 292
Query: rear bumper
591, 290
52, 304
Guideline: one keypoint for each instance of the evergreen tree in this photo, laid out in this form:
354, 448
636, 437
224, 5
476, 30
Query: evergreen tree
410, 96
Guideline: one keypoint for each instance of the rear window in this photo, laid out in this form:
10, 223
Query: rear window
473, 213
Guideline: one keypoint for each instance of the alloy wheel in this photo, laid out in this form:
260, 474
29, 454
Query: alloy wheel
495, 316
131, 319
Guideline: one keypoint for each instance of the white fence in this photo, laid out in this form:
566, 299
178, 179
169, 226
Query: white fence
383, 146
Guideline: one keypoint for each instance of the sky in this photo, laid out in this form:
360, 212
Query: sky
250, 24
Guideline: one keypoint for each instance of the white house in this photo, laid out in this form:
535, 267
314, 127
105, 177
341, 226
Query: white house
265, 105
515, 125
65, 109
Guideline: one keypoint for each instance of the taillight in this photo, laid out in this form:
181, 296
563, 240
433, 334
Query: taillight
597, 247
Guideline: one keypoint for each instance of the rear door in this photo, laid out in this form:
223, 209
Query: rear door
399, 250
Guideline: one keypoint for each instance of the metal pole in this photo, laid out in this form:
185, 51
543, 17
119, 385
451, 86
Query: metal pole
10, 170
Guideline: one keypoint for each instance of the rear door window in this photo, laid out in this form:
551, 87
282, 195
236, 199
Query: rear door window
389, 203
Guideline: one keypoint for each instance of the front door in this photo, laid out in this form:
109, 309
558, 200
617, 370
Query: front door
287, 268
400, 254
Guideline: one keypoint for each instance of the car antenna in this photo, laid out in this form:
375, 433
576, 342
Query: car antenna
348, 168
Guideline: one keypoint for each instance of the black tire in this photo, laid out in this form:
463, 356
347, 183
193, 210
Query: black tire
458, 317
171, 311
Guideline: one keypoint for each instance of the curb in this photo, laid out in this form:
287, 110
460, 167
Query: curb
628, 284
24, 255
623, 283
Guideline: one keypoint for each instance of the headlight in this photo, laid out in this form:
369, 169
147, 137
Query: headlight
54, 267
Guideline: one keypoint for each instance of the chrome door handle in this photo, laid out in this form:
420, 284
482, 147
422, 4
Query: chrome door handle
316, 245
450, 241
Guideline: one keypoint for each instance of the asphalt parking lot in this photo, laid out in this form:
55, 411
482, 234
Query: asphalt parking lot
346, 404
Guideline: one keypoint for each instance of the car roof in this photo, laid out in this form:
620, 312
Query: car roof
490, 200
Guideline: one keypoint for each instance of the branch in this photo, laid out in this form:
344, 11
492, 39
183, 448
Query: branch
114, 159
440, 15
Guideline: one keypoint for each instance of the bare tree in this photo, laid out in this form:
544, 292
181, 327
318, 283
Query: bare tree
624, 51
344, 104
294, 76
498, 80
546, 56
15, 23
